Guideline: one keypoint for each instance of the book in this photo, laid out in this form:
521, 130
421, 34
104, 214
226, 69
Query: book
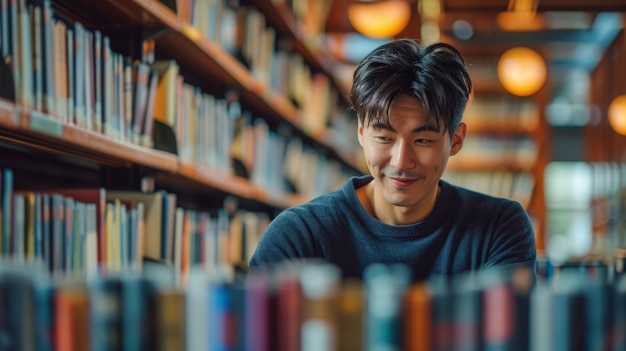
385, 285
417, 321
166, 94
147, 139
170, 320
97, 197
7, 209
138, 297
320, 283
288, 307
72, 318
468, 308
106, 314
257, 304
153, 217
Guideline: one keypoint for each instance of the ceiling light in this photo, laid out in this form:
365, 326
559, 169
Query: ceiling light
382, 19
522, 71
617, 114
512, 21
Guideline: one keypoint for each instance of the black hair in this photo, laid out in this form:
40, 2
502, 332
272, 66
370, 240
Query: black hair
436, 75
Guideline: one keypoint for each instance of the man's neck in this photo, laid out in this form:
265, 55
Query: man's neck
377, 206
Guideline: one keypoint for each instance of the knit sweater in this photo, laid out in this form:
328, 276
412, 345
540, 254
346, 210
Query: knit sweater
466, 231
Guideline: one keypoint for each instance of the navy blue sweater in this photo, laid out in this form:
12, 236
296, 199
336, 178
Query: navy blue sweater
465, 231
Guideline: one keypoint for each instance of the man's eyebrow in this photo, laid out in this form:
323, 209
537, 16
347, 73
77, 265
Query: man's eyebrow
422, 128
426, 128
382, 125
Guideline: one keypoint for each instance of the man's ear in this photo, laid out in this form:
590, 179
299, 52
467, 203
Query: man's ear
360, 131
457, 138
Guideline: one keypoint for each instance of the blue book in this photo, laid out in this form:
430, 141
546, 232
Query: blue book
7, 208
138, 326
106, 314
385, 286
43, 318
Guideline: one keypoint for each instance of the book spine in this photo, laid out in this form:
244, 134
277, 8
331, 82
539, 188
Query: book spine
105, 311
417, 322
320, 289
385, 286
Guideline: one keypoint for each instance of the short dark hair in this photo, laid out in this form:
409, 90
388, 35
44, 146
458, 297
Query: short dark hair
436, 75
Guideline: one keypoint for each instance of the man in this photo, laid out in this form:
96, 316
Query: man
409, 101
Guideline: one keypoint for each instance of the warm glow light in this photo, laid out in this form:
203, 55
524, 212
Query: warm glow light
383, 19
522, 71
520, 21
617, 114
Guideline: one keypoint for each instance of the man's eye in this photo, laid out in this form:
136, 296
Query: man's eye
382, 138
422, 141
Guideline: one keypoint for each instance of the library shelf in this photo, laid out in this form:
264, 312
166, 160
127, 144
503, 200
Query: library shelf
474, 162
282, 19
236, 185
208, 61
41, 131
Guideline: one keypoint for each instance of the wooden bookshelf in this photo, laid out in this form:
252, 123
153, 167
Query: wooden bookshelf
44, 132
99, 148
206, 59
281, 17
237, 186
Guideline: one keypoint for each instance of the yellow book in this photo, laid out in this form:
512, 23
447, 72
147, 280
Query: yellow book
152, 218
166, 94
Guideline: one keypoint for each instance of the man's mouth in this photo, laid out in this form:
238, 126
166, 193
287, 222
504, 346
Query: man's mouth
403, 182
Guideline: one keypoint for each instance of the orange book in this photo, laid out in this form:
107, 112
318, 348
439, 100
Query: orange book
71, 319
417, 321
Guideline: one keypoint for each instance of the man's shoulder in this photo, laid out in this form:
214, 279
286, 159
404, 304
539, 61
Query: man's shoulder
469, 197
471, 193
330, 201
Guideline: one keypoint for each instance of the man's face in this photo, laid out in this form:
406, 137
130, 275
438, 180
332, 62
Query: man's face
408, 159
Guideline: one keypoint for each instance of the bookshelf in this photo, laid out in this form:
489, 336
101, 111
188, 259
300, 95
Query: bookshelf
217, 130
604, 150
506, 149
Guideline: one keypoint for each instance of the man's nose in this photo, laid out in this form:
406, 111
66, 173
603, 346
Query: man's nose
403, 156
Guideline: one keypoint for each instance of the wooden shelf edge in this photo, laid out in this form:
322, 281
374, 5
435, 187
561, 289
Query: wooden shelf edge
504, 128
236, 185
475, 163
156, 9
80, 142
7, 113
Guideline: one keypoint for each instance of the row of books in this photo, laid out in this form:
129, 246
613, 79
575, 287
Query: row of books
496, 151
88, 232
70, 74
244, 32
306, 305
282, 162
504, 113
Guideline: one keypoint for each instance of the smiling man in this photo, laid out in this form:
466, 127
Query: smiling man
409, 101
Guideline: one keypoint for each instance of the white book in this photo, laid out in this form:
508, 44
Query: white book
48, 59
97, 80
71, 67
79, 74
25, 57
37, 65
89, 73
